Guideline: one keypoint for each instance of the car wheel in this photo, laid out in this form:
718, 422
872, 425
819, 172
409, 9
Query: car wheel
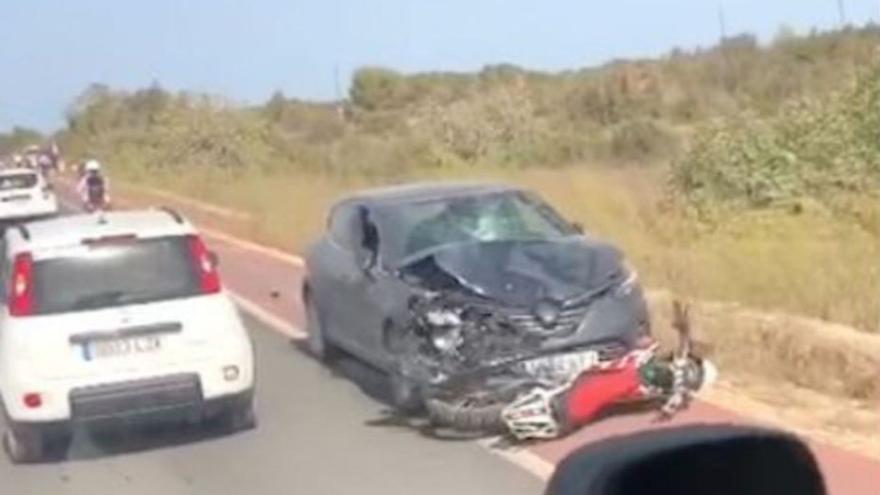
238, 418
24, 444
58, 445
406, 395
317, 341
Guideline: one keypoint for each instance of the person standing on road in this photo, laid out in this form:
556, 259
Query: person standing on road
93, 187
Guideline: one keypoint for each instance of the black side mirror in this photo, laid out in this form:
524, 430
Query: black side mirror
366, 261
578, 227
692, 460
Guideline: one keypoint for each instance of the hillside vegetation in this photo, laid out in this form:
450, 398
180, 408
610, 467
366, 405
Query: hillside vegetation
742, 172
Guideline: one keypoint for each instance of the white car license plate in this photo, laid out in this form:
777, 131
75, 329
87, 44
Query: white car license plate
563, 364
101, 349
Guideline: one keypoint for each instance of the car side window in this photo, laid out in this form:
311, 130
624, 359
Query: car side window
368, 234
343, 227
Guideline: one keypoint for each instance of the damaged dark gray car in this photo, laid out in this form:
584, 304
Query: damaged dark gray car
466, 295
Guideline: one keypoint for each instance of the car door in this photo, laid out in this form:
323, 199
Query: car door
336, 277
374, 290
366, 286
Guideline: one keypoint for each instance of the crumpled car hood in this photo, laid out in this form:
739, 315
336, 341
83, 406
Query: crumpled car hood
519, 273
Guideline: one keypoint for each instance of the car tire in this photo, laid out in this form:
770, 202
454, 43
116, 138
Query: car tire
405, 394
57, 446
317, 342
485, 419
238, 418
24, 444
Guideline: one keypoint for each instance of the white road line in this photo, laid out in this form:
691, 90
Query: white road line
235, 241
201, 205
521, 457
275, 322
252, 246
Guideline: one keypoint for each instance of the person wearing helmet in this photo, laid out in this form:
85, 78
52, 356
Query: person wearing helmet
93, 186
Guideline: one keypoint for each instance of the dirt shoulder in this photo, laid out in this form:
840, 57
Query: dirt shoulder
817, 378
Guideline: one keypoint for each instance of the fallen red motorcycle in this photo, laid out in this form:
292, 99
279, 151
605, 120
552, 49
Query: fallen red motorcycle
549, 406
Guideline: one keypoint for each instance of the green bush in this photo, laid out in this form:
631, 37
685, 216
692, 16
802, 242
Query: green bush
823, 149
641, 139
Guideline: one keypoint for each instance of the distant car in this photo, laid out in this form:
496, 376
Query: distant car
115, 319
25, 194
446, 286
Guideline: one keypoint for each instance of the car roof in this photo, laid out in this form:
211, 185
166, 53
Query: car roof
425, 191
18, 170
73, 229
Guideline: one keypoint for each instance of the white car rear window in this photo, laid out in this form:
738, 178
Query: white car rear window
17, 181
115, 274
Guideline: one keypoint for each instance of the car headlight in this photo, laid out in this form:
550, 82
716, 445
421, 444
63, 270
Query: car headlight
445, 328
446, 339
630, 280
441, 317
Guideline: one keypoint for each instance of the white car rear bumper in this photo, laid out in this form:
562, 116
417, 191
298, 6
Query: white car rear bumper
28, 209
141, 394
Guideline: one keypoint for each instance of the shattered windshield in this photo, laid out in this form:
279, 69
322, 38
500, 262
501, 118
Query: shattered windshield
506, 216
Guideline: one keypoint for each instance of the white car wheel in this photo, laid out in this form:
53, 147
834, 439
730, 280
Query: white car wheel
23, 446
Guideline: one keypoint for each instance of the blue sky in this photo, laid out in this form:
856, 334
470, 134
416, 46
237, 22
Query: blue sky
50, 50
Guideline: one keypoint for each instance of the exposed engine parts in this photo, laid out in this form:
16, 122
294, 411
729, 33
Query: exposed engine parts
487, 374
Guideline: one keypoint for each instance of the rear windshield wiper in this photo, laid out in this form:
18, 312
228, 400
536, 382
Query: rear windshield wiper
98, 300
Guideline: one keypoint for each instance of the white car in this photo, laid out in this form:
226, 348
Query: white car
25, 193
115, 319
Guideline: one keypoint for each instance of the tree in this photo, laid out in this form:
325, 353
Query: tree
18, 138
375, 88
274, 107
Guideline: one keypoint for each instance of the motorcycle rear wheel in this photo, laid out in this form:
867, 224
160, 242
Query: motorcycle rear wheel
466, 416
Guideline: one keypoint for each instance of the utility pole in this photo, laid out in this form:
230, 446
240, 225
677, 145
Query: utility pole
841, 10
336, 82
722, 49
340, 110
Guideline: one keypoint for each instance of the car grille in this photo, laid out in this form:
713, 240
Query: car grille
568, 321
135, 398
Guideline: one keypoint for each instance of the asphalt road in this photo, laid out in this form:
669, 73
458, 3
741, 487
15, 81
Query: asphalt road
317, 434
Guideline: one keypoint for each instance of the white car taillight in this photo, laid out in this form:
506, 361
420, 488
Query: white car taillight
21, 301
209, 278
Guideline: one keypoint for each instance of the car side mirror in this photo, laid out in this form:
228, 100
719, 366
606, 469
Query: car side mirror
578, 227
366, 261
692, 460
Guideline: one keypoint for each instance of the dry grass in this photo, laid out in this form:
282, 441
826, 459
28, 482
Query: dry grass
780, 348
811, 264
